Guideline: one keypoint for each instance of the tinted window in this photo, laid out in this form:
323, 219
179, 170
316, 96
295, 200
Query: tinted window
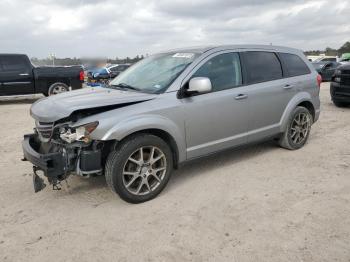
261, 66
224, 71
14, 63
115, 69
294, 65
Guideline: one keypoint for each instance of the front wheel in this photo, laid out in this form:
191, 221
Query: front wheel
298, 129
139, 168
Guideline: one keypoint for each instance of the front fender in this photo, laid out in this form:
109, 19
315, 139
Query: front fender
143, 122
293, 103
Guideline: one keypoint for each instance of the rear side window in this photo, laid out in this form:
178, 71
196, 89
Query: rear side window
294, 65
14, 63
261, 66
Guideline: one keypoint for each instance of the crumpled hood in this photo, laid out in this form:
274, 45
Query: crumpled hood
59, 106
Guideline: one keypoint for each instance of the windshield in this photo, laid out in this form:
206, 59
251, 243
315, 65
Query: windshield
154, 74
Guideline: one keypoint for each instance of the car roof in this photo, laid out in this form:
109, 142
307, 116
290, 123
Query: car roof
12, 54
115, 65
345, 66
204, 49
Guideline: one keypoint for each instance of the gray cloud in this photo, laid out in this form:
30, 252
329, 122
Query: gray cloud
126, 28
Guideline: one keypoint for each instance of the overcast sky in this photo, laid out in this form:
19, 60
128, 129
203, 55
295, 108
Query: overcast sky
113, 28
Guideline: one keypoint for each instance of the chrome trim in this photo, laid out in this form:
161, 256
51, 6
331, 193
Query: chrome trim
16, 83
44, 130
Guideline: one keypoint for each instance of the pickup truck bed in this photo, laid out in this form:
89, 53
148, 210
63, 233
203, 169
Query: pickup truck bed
19, 77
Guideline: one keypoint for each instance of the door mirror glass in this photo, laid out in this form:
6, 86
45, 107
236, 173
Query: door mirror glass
199, 85
328, 66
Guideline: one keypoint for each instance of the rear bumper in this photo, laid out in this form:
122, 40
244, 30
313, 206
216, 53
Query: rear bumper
340, 92
77, 85
52, 164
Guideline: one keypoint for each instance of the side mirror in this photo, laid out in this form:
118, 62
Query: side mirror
199, 85
328, 66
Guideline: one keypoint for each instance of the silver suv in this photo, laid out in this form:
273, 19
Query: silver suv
170, 108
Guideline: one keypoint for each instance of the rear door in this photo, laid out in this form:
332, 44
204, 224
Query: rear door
16, 75
268, 92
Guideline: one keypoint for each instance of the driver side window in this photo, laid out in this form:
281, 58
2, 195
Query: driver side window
224, 71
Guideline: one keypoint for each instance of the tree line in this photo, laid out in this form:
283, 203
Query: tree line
83, 61
345, 48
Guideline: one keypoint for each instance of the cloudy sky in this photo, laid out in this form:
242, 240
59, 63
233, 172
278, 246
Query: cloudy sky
113, 28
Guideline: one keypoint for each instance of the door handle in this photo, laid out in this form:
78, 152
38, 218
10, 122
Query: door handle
288, 86
241, 96
24, 74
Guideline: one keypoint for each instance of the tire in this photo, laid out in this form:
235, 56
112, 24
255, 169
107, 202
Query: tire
57, 88
340, 104
298, 129
137, 182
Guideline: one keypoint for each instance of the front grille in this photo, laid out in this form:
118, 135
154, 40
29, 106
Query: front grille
44, 130
345, 80
345, 72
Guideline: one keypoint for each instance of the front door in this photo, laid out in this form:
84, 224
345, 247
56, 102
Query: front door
217, 120
15, 75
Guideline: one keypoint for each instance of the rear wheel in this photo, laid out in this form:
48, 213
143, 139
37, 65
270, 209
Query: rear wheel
139, 168
298, 129
57, 88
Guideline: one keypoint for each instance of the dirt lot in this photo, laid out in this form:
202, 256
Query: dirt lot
261, 203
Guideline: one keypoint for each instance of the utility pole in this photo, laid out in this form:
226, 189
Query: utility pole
52, 57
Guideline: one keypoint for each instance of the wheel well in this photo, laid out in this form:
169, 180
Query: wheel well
167, 138
57, 82
309, 106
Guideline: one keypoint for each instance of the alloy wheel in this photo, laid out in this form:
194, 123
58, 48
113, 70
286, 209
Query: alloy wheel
58, 89
300, 128
144, 170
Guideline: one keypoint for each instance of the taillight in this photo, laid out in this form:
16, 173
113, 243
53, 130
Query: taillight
81, 76
319, 80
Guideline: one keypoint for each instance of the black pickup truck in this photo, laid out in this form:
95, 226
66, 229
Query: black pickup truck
19, 77
340, 86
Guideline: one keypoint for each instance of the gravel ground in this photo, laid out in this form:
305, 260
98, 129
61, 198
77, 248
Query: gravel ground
260, 203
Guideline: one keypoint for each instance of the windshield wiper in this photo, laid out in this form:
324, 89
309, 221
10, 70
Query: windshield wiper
126, 86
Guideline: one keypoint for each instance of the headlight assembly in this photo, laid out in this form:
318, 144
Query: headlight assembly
80, 133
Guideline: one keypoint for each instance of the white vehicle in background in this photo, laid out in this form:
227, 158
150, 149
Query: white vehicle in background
322, 58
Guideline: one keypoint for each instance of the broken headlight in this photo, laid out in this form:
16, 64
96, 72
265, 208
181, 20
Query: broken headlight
79, 133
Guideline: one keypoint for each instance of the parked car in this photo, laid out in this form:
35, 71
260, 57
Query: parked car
326, 59
326, 69
340, 86
171, 108
19, 77
322, 58
115, 70
106, 73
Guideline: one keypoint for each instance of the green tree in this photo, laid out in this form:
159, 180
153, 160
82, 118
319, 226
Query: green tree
345, 48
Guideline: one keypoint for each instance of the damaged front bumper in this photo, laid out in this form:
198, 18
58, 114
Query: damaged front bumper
57, 166
53, 165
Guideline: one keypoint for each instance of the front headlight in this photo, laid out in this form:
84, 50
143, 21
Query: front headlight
79, 133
